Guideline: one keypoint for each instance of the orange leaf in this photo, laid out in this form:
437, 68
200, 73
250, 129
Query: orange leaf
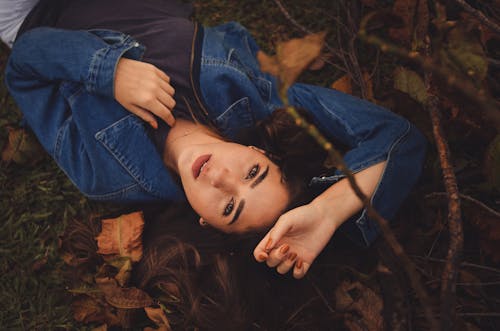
157, 315
122, 236
343, 84
292, 57
119, 297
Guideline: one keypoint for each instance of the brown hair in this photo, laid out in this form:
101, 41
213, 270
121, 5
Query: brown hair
209, 280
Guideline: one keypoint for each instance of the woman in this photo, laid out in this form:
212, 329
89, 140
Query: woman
66, 83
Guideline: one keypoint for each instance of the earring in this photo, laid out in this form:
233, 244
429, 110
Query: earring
203, 222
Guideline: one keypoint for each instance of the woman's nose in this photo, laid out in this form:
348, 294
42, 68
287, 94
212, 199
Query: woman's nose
221, 179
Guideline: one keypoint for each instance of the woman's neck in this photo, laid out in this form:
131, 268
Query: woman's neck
183, 134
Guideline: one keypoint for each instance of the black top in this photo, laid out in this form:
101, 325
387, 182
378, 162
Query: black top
163, 26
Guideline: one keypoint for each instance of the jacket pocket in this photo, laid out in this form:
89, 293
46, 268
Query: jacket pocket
236, 117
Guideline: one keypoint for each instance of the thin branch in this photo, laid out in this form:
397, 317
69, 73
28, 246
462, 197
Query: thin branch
305, 30
463, 264
480, 16
466, 88
383, 224
468, 198
454, 256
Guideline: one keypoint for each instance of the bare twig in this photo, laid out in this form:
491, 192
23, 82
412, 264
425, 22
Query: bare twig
454, 256
480, 16
371, 212
468, 198
463, 264
305, 30
465, 87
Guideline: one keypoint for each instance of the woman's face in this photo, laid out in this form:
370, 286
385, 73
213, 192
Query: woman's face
234, 188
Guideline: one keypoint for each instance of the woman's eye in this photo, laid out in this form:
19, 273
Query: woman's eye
253, 172
229, 208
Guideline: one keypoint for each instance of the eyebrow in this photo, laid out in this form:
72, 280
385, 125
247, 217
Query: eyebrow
256, 182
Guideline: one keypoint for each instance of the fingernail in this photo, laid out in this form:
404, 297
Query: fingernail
292, 257
154, 125
299, 264
284, 249
261, 257
269, 244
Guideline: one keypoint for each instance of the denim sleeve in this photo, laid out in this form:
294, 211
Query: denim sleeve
373, 134
47, 55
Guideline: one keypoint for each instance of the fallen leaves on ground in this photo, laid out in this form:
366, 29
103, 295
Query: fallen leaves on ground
22, 148
122, 236
356, 299
292, 58
157, 315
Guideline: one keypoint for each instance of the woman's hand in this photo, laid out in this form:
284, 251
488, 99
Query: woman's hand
144, 90
296, 239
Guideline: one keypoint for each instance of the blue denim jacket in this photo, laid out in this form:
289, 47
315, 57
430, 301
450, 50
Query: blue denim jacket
63, 83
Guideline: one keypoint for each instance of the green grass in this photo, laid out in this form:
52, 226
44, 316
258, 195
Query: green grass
37, 201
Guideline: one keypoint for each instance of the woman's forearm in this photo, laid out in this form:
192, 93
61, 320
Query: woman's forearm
339, 202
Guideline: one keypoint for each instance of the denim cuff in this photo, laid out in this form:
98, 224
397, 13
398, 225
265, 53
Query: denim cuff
102, 68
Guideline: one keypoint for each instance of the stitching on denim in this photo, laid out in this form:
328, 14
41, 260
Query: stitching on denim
234, 104
338, 118
105, 196
60, 133
120, 158
404, 134
235, 66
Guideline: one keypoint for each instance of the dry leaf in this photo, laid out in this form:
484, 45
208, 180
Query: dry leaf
123, 276
464, 53
410, 82
362, 301
343, 84
122, 236
125, 298
292, 58
87, 310
22, 148
157, 315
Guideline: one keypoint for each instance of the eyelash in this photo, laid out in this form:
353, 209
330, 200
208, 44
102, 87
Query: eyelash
229, 208
251, 174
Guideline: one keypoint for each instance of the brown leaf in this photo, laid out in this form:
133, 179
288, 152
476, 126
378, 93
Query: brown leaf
125, 298
363, 301
22, 148
411, 83
416, 20
123, 276
122, 236
87, 310
292, 58
343, 84
157, 315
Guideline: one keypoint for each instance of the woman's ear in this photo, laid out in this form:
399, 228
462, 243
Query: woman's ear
203, 222
258, 149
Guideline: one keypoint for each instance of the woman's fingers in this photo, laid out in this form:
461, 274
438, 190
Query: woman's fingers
140, 85
144, 115
300, 269
277, 256
287, 264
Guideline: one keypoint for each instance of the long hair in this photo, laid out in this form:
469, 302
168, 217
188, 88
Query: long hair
209, 280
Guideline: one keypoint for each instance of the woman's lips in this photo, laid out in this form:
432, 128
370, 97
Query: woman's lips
198, 164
